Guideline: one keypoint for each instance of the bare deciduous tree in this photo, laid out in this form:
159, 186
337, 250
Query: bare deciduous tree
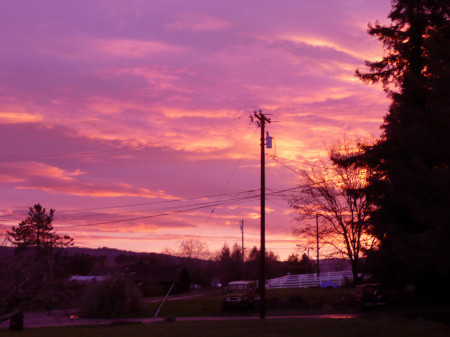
334, 196
193, 249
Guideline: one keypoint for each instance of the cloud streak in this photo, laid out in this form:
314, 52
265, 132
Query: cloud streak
39, 176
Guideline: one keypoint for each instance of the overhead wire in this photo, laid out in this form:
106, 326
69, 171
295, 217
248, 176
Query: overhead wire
195, 207
163, 210
153, 203
289, 168
192, 207
187, 208
236, 197
229, 179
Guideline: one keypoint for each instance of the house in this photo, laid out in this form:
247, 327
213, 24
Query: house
98, 274
86, 279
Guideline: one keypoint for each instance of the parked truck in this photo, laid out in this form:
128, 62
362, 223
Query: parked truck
240, 294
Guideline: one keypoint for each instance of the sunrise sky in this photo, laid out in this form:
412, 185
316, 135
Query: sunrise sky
131, 118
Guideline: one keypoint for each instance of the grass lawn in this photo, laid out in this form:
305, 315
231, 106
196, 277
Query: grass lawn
279, 301
274, 327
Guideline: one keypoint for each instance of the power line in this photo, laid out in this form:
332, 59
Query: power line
140, 204
237, 197
164, 210
199, 206
229, 179
289, 168
188, 208
155, 202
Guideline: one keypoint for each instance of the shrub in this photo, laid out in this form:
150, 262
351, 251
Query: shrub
111, 298
152, 289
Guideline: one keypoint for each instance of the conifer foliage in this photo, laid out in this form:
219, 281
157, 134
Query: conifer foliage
37, 231
410, 162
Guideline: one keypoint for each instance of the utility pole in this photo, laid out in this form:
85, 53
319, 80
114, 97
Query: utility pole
317, 237
242, 229
307, 264
262, 119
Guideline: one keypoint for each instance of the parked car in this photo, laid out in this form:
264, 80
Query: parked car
239, 294
367, 295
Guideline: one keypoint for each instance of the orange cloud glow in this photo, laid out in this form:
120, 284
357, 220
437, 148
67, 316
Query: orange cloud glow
131, 119
19, 117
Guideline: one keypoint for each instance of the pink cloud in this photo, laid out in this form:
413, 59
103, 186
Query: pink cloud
133, 48
52, 179
198, 22
107, 103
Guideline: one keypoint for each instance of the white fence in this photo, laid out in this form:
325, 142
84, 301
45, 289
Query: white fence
308, 280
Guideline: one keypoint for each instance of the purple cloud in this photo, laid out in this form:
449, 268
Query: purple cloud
106, 103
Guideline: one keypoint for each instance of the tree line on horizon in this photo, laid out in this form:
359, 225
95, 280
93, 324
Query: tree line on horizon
40, 257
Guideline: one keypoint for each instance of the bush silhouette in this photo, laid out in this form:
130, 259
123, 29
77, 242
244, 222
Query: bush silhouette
111, 298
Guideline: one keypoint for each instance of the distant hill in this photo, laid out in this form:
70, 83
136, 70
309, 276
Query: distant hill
110, 253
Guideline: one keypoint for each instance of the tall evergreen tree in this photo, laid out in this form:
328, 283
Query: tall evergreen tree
37, 231
39, 256
410, 162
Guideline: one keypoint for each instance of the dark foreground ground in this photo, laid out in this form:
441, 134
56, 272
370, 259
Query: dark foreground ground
351, 327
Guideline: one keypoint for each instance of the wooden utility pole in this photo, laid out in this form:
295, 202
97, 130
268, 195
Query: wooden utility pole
242, 230
242, 263
262, 119
317, 237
